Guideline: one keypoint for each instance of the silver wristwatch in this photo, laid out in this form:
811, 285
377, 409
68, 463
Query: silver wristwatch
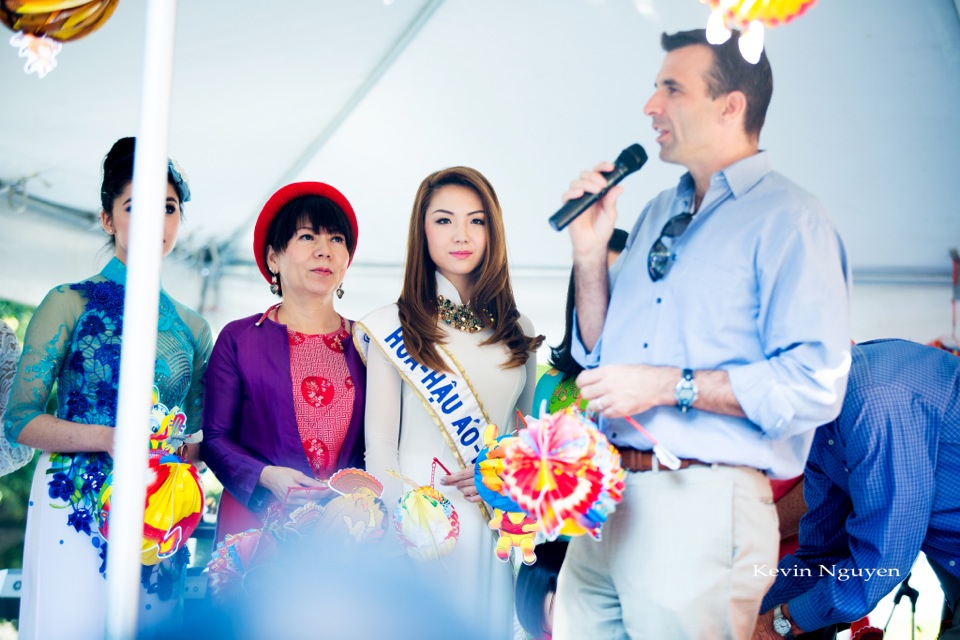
780, 624
686, 391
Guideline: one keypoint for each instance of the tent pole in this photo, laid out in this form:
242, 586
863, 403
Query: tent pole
141, 303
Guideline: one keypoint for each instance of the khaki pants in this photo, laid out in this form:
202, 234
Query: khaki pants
687, 554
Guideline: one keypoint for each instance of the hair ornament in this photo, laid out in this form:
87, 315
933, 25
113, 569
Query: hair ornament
180, 179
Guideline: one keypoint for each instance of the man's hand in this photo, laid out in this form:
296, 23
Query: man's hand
590, 234
619, 390
590, 231
764, 629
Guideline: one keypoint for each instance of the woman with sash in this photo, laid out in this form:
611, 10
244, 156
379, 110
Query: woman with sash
284, 397
452, 355
557, 385
73, 341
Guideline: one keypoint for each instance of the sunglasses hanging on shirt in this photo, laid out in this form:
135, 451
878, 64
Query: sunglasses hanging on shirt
658, 261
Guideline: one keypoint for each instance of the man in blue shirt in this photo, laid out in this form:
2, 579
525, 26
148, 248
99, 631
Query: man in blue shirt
881, 485
724, 329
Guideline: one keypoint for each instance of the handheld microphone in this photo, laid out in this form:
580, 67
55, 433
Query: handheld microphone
629, 160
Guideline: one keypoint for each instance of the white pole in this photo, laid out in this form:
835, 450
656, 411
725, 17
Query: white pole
139, 349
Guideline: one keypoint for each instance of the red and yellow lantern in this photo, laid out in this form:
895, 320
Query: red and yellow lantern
750, 17
62, 20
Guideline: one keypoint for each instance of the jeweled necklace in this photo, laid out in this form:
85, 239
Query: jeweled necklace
460, 316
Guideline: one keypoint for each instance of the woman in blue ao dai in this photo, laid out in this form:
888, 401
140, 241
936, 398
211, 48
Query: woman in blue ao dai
74, 341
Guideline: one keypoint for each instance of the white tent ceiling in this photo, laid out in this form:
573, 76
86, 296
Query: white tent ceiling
371, 97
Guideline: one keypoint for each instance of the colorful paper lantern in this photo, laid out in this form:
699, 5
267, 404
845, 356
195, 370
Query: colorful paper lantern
425, 521
172, 511
234, 558
174, 503
356, 514
563, 472
516, 529
488, 471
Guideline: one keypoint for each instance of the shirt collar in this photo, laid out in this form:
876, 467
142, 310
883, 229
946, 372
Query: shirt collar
739, 177
446, 289
742, 175
116, 271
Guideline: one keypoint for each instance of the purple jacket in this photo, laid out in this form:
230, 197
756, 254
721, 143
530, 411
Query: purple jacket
248, 415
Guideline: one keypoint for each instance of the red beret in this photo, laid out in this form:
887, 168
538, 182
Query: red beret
283, 196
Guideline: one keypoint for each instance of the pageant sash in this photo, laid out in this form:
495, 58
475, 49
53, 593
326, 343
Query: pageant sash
448, 396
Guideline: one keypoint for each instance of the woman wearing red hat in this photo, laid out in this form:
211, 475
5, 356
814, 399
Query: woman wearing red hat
284, 391
451, 356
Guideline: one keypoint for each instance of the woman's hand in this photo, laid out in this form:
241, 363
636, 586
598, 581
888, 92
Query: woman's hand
463, 481
48, 433
189, 451
279, 480
107, 438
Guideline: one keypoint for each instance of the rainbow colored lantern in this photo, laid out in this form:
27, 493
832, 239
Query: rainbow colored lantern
564, 473
427, 523
750, 16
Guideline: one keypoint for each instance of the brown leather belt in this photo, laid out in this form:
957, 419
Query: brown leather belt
636, 460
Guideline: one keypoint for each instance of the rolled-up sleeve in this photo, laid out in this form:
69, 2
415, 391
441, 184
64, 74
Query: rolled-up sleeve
804, 325
586, 359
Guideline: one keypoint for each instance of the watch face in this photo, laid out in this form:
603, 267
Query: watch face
686, 391
781, 626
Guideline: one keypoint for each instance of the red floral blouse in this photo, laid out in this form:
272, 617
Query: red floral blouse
322, 395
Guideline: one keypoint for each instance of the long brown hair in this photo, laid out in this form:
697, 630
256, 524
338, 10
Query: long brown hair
492, 293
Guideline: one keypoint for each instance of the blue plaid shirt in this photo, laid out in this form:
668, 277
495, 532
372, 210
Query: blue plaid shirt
881, 485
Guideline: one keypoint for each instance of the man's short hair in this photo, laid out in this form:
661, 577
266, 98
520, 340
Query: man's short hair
730, 72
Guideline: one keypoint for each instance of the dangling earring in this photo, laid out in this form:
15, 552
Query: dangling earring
340, 291
274, 287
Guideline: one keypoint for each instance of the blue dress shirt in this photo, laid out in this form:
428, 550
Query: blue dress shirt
881, 485
758, 286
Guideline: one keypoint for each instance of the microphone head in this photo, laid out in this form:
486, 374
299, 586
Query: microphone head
632, 158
